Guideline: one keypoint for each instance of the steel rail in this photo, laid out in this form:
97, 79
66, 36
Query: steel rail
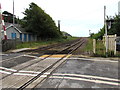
51, 46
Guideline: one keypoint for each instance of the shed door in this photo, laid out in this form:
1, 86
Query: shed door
25, 37
21, 36
29, 37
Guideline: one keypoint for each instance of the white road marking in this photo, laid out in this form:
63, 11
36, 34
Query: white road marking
41, 57
43, 76
88, 76
93, 59
47, 73
8, 69
24, 74
29, 72
4, 72
30, 56
88, 80
52, 58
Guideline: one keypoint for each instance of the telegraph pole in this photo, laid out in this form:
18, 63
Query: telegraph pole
105, 24
14, 35
13, 14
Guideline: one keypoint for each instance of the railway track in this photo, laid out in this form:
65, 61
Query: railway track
41, 51
36, 64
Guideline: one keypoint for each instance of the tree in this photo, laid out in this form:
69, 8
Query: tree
38, 22
115, 28
98, 35
8, 17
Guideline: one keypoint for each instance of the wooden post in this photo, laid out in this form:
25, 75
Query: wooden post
94, 46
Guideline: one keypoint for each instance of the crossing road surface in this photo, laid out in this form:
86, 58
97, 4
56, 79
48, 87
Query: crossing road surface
84, 73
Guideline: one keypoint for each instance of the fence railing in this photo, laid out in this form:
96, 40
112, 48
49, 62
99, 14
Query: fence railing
9, 44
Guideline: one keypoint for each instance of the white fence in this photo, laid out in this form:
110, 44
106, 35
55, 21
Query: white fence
111, 42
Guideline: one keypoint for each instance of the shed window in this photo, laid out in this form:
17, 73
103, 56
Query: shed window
13, 35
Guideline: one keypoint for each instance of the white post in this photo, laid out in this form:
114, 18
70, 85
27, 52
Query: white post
115, 44
94, 46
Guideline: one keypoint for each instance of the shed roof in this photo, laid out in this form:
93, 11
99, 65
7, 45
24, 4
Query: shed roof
16, 26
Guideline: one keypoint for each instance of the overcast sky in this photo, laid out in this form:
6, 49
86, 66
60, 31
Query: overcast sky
77, 16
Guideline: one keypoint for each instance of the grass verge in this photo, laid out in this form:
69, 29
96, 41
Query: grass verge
100, 49
89, 46
43, 43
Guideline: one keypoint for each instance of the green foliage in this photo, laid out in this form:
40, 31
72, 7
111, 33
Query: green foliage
115, 29
100, 49
98, 35
115, 26
38, 22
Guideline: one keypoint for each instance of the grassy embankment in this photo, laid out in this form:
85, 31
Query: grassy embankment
100, 49
43, 43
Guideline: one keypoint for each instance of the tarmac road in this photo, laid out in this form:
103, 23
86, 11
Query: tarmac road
76, 72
